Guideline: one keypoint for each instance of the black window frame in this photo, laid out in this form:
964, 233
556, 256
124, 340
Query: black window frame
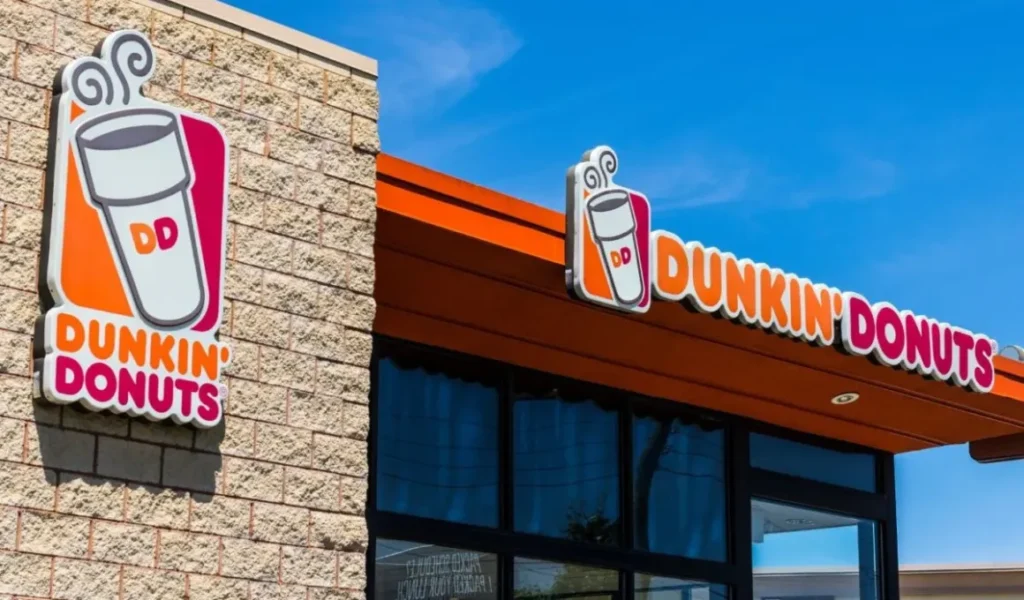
743, 483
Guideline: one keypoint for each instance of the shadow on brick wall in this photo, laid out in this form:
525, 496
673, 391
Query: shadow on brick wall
99, 446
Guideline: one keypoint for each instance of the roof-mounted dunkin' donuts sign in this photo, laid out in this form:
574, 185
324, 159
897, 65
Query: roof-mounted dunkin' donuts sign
614, 259
134, 245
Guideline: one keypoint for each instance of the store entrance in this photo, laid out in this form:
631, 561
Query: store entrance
822, 522
804, 554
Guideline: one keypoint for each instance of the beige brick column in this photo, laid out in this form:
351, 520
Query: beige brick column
270, 504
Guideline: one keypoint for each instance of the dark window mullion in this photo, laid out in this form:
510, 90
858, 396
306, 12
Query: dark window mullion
506, 577
506, 560
371, 476
506, 475
482, 539
788, 489
889, 559
739, 525
628, 497
626, 478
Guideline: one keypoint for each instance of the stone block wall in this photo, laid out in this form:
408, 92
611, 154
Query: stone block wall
271, 503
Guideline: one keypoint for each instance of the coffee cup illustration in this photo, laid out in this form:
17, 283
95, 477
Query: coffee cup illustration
147, 210
608, 235
137, 172
614, 229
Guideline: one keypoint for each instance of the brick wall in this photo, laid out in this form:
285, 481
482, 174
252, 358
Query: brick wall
271, 503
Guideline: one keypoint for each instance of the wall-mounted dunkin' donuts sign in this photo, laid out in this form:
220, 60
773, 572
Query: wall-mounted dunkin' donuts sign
615, 259
134, 245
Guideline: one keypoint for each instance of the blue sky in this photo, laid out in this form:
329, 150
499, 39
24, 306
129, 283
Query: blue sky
872, 146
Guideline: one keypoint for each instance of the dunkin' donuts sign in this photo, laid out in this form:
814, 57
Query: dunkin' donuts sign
615, 259
134, 245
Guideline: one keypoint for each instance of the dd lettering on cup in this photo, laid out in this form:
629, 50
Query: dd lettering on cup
137, 171
614, 227
162, 234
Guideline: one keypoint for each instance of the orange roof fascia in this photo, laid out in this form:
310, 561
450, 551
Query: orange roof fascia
1010, 367
1009, 378
524, 227
510, 208
406, 189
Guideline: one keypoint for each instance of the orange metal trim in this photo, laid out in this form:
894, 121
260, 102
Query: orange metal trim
468, 221
1009, 378
1008, 366
506, 207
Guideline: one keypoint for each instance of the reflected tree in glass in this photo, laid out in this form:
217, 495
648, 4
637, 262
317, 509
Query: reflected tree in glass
566, 468
654, 587
541, 580
679, 487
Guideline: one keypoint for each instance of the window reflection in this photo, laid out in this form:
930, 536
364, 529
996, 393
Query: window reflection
679, 488
849, 469
412, 571
566, 469
540, 580
800, 553
437, 445
653, 587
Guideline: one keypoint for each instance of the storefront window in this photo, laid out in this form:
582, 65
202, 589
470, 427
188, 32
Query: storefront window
539, 580
652, 587
849, 469
411, 571
793, 546
679, 488
566, 469
437, 451
606, 492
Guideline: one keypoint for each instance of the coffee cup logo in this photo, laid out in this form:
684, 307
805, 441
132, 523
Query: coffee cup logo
609, 233
135, 244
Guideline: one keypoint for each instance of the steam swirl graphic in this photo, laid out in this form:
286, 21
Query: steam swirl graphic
601, 164
592, 177
608, 163
126, 56
132, 53
91, 83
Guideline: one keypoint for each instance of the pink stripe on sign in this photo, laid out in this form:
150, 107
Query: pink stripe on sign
642, 212
208, 152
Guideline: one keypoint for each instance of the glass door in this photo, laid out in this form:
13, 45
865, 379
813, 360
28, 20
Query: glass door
822, 520
804, 554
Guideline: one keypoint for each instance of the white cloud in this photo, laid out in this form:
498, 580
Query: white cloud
962, 272
727, 191
719, 188
871, 178
432, 53
692, 178
858, 176
442, 143
924, 258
